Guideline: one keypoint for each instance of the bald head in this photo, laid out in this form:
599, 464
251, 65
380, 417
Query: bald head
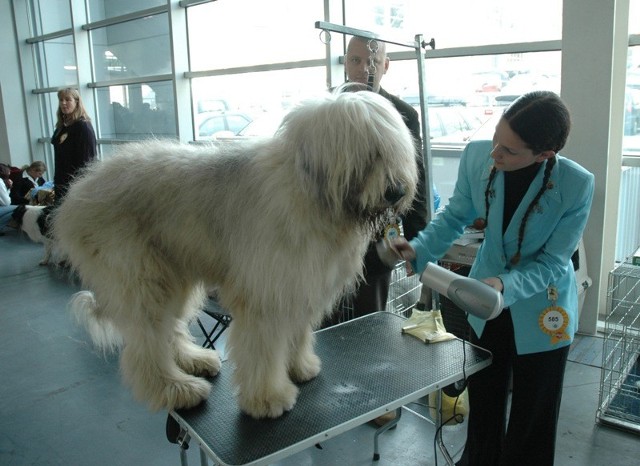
358, 61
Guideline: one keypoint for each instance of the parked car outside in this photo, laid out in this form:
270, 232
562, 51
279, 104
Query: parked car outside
451, 121
264, 125
213, 105
210, 124
448, 124
488, 81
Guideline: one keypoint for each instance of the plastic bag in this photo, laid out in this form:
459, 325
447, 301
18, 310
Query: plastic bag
453, 412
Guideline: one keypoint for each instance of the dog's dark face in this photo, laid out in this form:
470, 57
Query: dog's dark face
44, 221
355, 156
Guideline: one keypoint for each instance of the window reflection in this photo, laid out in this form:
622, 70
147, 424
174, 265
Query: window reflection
56, 64
631, 138
137, 111
634, 14
47, 16
135, 48
103, 9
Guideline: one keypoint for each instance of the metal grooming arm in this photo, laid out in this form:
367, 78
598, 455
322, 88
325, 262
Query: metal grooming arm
417, 45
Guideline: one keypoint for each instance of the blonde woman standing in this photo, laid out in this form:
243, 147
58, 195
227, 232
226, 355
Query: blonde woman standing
74, 140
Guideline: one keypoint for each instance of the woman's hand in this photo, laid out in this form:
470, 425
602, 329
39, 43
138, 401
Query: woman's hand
404, 251
494, 282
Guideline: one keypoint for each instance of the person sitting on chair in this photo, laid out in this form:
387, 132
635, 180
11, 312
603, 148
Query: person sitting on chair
6, 209
31, 178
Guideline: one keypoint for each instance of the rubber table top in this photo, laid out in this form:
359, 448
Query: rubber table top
368, 368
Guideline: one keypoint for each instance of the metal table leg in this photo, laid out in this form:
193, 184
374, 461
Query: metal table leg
389, 425
438, 422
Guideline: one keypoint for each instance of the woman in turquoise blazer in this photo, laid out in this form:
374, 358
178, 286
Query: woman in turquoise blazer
533, 205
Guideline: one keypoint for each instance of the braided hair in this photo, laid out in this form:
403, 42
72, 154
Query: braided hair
542, 121
545, 185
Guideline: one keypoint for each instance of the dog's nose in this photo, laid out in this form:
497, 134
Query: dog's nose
394, 193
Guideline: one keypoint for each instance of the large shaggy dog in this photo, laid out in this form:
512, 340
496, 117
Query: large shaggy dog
278, 226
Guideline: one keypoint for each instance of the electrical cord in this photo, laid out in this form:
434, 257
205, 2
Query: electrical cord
459, 418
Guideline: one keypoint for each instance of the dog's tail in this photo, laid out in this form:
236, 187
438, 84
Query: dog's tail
103, 333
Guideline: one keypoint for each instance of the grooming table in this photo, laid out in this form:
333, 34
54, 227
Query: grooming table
368, 368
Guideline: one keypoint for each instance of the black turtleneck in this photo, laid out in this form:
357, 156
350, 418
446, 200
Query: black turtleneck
516, 184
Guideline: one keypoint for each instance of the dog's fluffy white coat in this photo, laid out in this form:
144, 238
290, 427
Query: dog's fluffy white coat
29, 225
278, 226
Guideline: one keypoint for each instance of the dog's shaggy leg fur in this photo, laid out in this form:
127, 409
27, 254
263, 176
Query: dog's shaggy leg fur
151, 371
264, 386
158, 354
192, 358
47, 253
159, 360
304, 364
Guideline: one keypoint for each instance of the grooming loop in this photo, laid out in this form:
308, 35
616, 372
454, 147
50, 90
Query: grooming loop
373, 47
325, 36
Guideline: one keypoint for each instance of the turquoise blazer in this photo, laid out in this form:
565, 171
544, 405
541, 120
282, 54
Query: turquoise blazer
541, 289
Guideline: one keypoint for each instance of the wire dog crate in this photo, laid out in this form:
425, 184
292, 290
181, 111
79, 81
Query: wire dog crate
404, 293
619, 403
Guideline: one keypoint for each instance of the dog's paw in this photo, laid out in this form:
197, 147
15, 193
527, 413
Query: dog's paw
183, 393
305, 367
206, 363
270, 404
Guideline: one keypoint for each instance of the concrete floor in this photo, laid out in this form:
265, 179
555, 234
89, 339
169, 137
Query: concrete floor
62, 402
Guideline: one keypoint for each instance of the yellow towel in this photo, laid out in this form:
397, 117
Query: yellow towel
427, 326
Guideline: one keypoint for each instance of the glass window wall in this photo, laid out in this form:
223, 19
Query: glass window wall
135, 48
240, 33
56, 62
462, 23
631, 140
137, 111
47, 16
228, 104
104, 9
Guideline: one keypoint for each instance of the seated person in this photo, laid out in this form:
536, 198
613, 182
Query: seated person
21, 192
6, 209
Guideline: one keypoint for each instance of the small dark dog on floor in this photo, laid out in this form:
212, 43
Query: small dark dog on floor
34, 221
